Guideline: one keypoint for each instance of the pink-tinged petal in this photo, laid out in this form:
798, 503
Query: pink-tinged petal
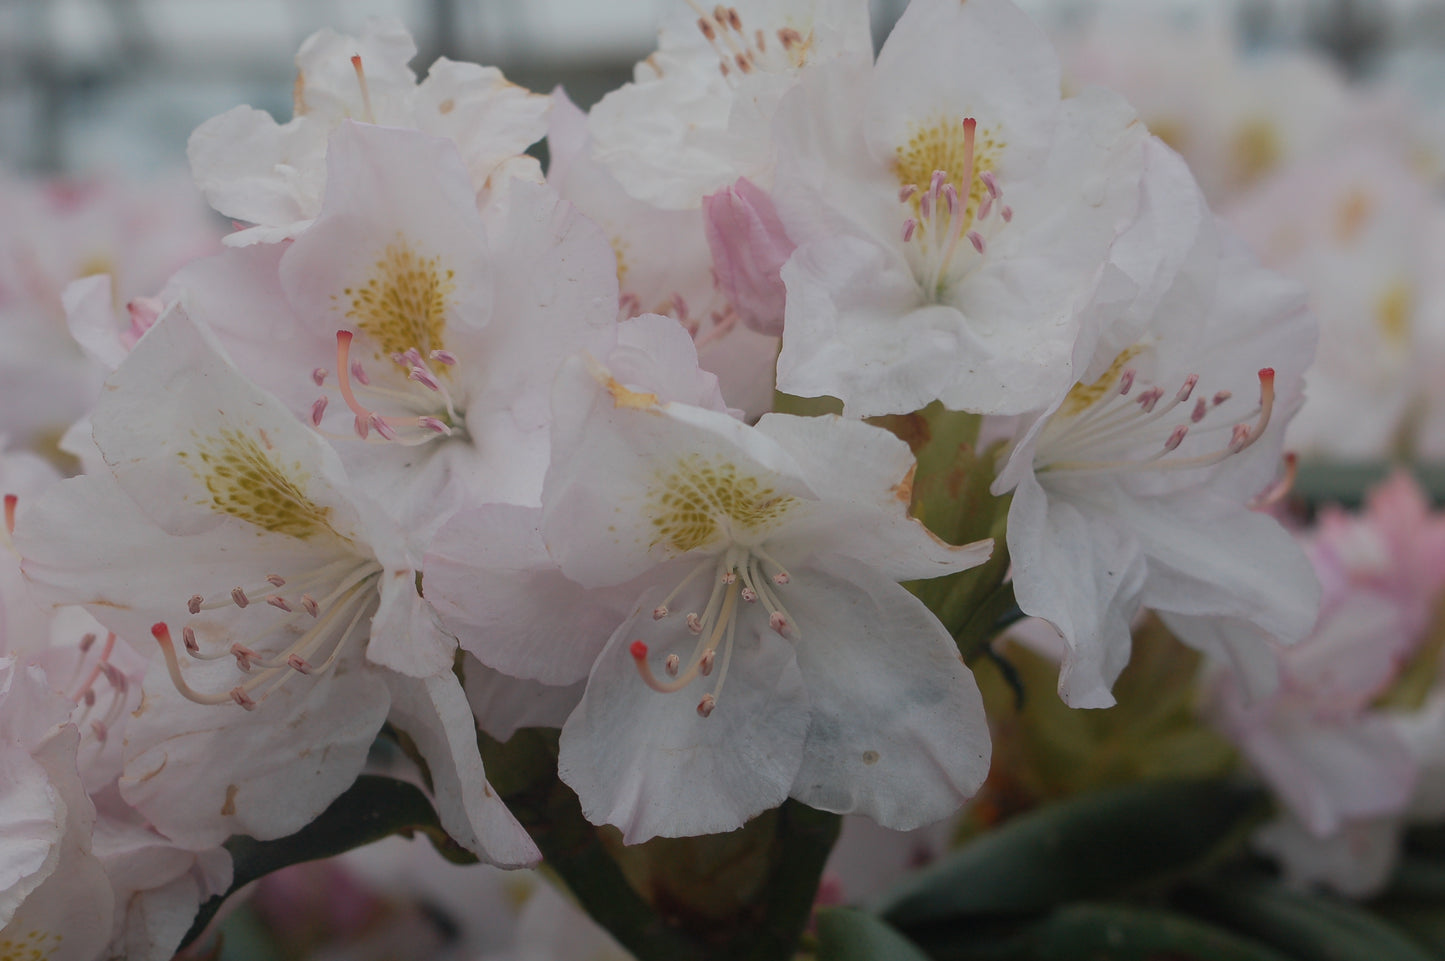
1083, 574
201, 772
433, 712
749, 247
863, 477
1329, 774
897, 730
490, 579
503, 705
648, 763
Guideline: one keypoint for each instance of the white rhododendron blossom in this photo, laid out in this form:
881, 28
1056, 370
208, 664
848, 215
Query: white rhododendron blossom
1134, 487
768, 652
951, 215
301, 631
274, 175
418, 334
699, 111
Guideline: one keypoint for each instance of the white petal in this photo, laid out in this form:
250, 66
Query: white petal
201, 773
647, 763
433, 711
492, 582
1078, 568
897, 730
863, 475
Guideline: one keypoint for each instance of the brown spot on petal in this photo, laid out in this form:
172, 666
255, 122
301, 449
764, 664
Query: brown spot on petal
446, 106
903, 490
870, 757
229, 808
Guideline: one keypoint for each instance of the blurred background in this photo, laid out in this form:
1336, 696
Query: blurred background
117, 85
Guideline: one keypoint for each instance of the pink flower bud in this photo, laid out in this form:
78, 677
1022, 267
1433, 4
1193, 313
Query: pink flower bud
749, 247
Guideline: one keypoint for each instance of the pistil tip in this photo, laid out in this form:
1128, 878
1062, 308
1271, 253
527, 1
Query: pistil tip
638, 650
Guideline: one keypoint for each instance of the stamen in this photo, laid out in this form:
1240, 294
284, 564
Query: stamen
706, 705
368, 115
239, 597
279, 602
1278, 491
444, 357
671, 665
297, 664
318, 376
659, 612
318, 410
10, 501
309, 605
704, 666
275, 580
188, 636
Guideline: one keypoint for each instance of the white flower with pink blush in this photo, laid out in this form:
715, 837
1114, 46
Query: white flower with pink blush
952, 215
1133, 488
698, 114
274, 175
767, 650
300, 627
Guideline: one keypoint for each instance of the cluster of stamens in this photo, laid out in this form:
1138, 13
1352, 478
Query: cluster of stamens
740, 576
747, 51
411, 430
703, 329
89, 716
939, 218
1127, 430
327, 626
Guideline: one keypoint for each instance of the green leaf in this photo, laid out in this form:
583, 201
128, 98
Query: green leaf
371, 809
1312, 927
1116, 932
847, 934
1091, 846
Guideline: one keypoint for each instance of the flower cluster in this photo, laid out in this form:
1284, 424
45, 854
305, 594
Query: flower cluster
436, 443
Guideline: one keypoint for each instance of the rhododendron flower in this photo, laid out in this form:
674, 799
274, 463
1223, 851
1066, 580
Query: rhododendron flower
274, 176
951, 213
698, 113
1133, 488
294, 599
769, 652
